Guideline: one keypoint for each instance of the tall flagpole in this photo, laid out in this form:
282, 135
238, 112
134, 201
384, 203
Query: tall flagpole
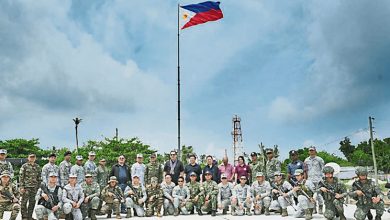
178, 81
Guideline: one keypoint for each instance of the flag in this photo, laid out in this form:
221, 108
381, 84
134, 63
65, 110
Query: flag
204, 12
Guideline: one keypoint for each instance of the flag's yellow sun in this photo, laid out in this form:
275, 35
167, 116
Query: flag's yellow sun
185, 16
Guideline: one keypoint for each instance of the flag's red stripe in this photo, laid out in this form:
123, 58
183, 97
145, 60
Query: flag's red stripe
203, 17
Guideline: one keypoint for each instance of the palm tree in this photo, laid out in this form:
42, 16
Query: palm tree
77, 121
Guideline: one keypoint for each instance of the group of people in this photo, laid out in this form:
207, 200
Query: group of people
85, 190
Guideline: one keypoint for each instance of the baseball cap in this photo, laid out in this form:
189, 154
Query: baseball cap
3, 151
193, 174
253, 154
312, 148
223, 176
91, 153
79, 157
293, 152
259, 174
269, 150
139, 155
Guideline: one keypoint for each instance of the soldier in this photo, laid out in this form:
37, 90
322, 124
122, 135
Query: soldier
368, 196
138, 168
181, 196
112, 195
90, 166
153, 169
72, 196
256, 166
102, 173
8, 196
155, 198
196, 194
49, 198
304, 191
65, 167
5, 165
136, 197
167, 188
273, 165
333, 191
261, 191
281, 194
210, 188
78, 170
225, 192
29, 179
50, 167
313, 172
241, 198
91, 197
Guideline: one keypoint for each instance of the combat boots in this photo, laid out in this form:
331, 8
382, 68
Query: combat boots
176, 213
213, 213
199, 211
93, 214
248, 212
378, 217
109, 213
308, 215
320, 208
224, 211
233, 211
128, 214
284, 213
342, 216
369, 215
118, 216
266, 212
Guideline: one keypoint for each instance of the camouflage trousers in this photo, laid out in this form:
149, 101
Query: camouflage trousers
92, 204
225, 203
211, 204
41, 212
28, 197
280, 203
361, 211
154, 206
168, 207
139, 209
76, 213
191, 204
261, 204
113, 205
239, 204
303, 204
181, 205
8, 206
333, 208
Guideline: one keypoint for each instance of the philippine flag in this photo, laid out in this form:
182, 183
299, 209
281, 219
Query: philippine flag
204, 12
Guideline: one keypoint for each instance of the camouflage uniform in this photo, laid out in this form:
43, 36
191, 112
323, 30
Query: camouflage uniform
168, 204
132, 200
314, 166
29, 179
305, 206
195, 189
153, 170
256, 167
112, 202
5, 165
263, 190
102, 175
333, 206
240, 194
211, 190
181, 196
47, 169
364, 202
271, 167
65, 167
92, 192
225, 193
41, 211
155, 198
80, 172
278, 200
73, 194
8, 193
90, 167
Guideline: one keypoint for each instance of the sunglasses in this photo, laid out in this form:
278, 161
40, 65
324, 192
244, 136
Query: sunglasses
173, 154
180, 181
121, 158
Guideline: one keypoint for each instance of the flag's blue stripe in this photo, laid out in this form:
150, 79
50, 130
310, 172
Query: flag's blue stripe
202, 7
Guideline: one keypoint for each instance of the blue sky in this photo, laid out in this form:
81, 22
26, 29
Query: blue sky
297, 73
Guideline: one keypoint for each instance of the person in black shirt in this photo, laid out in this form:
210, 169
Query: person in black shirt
192, 167
174, 167
213, 168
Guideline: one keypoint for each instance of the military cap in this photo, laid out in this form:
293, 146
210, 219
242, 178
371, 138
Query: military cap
139, 156
103, 160
3, 151
259, 174
298, 172
277, 173
243, 177
312, 148
328, 169
79, 157
193, 174
112, 179
153, 155
52, 155
53, 174
31, 155
254, 154
269, 150
72, 175
154, 179
92, 153
5, 173
207, 172
293, 152
223, 176
361, 171
88, 175
67, 153
135, 175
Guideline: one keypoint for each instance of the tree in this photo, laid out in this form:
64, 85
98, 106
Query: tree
346, 148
